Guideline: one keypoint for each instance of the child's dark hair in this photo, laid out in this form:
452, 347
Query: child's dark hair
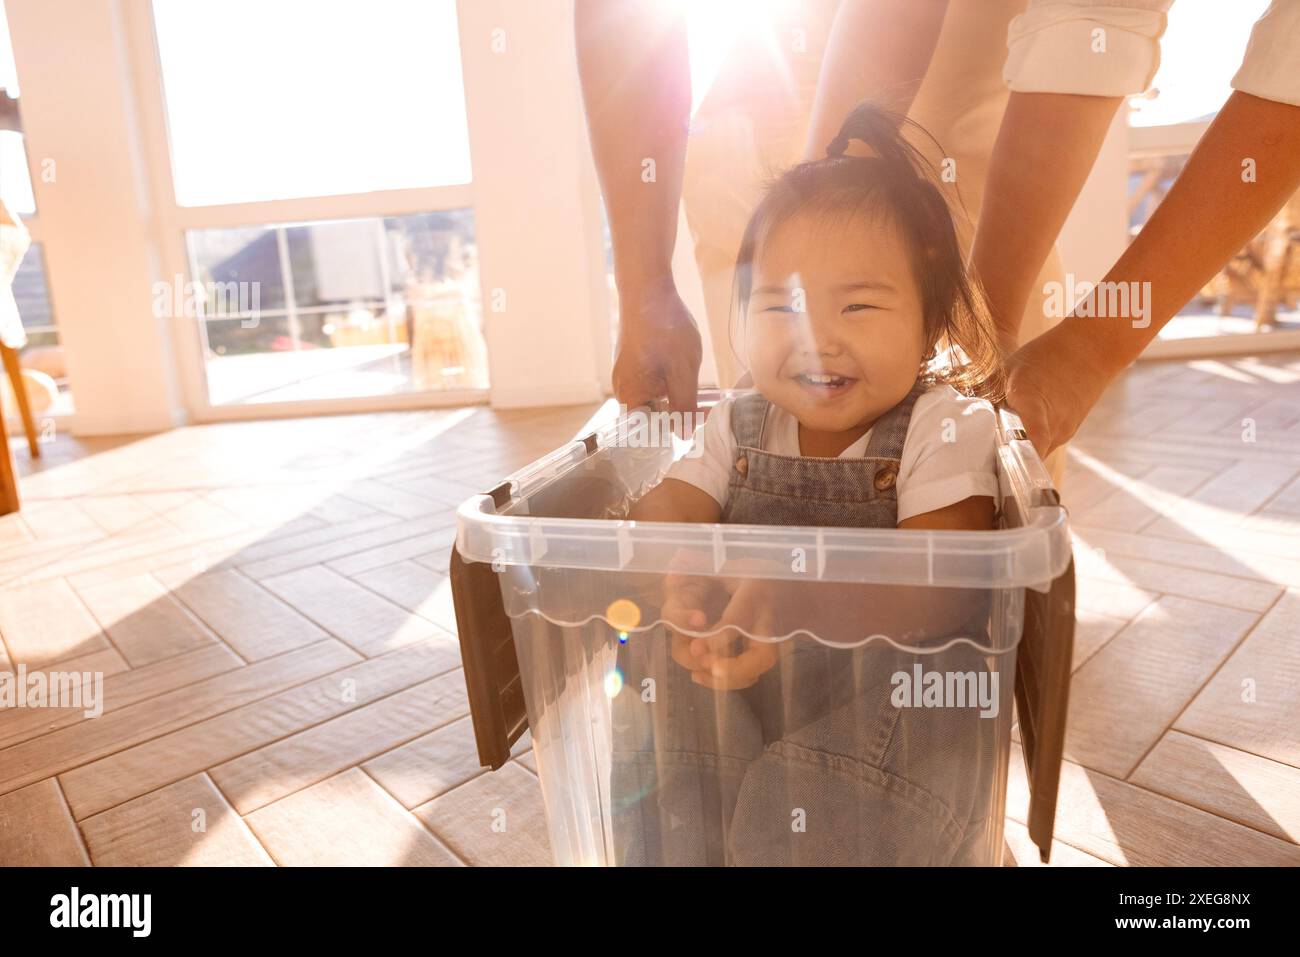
899, 183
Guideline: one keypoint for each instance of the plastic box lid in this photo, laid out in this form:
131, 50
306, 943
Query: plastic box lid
497, 527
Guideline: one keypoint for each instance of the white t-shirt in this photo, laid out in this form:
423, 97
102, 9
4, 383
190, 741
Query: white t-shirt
1052, 48
950, 452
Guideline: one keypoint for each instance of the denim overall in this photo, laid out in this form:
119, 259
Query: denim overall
813, 764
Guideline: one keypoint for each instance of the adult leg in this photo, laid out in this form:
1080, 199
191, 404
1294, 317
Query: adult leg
748, 129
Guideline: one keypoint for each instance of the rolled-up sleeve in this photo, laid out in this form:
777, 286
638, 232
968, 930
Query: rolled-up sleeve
1271, 68
1090, 47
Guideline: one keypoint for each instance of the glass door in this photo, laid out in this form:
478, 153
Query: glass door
320, 185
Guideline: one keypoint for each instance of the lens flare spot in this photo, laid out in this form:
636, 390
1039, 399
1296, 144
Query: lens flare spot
613, 683
623, 614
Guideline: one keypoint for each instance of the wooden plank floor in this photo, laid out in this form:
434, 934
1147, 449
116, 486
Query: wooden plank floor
268, 604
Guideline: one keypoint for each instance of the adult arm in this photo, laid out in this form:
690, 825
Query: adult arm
634, 69
1045, 149
1069, 65
1245, 167
675, 501
876, 49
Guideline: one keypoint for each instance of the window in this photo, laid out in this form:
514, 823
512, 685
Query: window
367, 96
339, 308
15, 181
43, 352
267, 103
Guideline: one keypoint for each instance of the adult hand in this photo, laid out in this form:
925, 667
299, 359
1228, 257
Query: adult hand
659, 348
1054, 380
10, 116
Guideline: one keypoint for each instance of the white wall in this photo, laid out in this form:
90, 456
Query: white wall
95, 216
536, 203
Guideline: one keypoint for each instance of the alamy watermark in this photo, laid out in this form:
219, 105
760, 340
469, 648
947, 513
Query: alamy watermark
53, 689
946, 689
130, 911
1099, 300
641, 429
209, 300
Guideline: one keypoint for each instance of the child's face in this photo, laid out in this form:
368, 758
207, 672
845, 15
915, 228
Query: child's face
834, 331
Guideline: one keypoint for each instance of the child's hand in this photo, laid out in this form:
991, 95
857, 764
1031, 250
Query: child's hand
730, 660
727, 660
686, 598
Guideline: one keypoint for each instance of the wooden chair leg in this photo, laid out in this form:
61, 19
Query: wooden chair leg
15, 371
1273, 288
8, 477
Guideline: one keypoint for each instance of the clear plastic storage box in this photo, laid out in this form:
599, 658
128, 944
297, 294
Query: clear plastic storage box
878, 729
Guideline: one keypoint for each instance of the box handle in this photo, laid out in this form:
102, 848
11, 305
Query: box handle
487, 652
1043, 662
1043, 698
487, 646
